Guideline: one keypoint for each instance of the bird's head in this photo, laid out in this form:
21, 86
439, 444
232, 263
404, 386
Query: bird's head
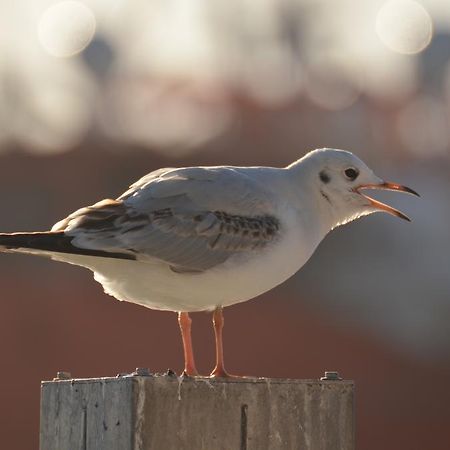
339, 179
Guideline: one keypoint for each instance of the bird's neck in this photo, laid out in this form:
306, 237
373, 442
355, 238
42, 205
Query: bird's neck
305, 196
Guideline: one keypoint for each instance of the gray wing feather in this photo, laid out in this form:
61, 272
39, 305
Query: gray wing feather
189, 218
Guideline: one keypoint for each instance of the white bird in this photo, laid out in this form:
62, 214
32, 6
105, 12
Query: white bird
202, 238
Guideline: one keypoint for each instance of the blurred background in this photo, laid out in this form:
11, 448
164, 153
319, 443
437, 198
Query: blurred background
94, 94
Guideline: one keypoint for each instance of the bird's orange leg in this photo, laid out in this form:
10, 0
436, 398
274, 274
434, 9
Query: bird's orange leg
219, 370
185, 326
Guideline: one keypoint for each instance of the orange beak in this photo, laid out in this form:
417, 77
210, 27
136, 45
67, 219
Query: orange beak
390, 187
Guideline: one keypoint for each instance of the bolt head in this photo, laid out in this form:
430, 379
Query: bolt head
61, 375
331, 376
141, 372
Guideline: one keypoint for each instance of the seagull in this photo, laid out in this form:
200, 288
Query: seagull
203, 238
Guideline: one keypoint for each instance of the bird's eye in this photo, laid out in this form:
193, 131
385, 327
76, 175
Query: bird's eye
351, 173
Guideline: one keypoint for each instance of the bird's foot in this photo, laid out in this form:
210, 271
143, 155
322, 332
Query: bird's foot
220, 372
190, 373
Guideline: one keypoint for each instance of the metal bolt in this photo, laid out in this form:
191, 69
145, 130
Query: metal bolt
61, 375
331, 376
141, 372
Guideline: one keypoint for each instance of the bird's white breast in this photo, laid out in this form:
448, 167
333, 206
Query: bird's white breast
240, 278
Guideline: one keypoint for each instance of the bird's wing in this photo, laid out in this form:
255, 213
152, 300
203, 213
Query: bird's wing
192, 218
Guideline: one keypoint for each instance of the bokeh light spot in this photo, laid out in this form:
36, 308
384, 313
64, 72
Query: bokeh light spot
66, 28
423, 127
404, 26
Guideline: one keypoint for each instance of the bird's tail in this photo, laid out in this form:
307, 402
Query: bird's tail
46, 241
49, 242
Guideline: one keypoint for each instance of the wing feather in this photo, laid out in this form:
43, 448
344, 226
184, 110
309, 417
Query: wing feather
192, 219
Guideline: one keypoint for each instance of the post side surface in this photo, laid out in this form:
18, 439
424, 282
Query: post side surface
165, 413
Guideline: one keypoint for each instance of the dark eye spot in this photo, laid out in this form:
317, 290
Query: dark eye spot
324, 176
351, 173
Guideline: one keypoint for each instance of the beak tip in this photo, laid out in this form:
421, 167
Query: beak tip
414, 192
397, 213
399, 187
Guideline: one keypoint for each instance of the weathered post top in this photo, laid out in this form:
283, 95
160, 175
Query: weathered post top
164, 412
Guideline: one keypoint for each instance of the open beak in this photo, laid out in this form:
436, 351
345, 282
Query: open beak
390, 187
